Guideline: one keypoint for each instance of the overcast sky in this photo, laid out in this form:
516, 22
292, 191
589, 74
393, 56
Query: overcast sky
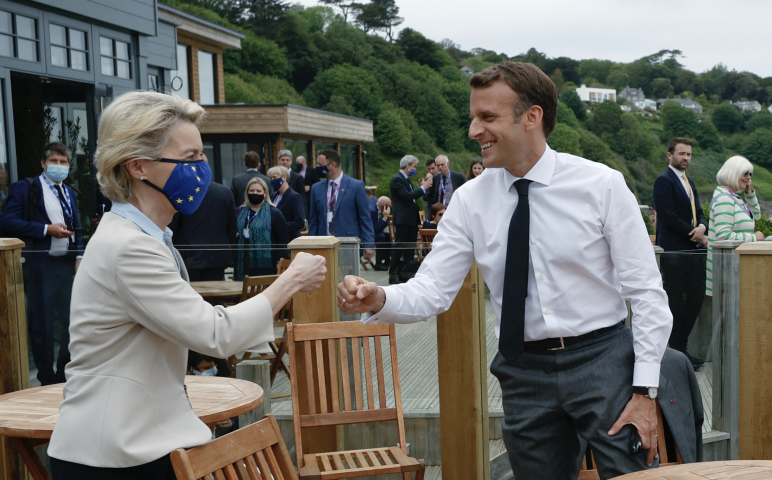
732, 32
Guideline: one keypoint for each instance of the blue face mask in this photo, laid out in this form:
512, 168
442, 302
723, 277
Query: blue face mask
413, 172
212, 372
276, 183
322, 171
187, 184
57, 173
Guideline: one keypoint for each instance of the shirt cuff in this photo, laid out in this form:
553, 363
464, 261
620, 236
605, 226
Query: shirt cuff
646, 375
45, 230
386, 314
422, 188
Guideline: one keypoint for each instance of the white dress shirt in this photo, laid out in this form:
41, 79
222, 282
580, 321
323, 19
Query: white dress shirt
329, 195
56, 215
680, 176
589, 252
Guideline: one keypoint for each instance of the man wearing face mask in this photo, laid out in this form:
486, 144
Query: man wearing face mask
43, 212
295, 180
339, 204
406, 220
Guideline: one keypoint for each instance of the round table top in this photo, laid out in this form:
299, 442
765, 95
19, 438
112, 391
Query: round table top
218, 289
32, 413
736, 469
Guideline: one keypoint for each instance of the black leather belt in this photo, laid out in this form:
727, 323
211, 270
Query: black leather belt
563, 342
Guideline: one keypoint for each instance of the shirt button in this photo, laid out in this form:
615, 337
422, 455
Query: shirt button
548, 311
541, 277
533, 241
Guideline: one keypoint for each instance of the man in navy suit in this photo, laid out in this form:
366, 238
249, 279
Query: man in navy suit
681, 229
339, 204
43, 212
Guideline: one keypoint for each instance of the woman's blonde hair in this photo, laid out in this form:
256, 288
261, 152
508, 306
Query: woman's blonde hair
280, 171
136, 126
732, 170
262, 184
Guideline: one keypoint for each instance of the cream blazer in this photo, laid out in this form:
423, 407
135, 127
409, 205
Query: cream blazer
133, 319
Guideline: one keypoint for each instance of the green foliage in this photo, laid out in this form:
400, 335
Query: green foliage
677, 121
567, 116
565, 139
420, 49
662, 88
392, 134
757, 147
727, 118
762, 181
633, 140
618, 79
355, 86
764, 226
707, 137
594, 68
246, 87
647, 222
762, 119
571, 98
607, 118
258, 55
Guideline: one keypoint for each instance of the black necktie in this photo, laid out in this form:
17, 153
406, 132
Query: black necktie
512, 331
64, 202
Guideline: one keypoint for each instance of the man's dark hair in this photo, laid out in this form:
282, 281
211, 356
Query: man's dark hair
331, 156
678, 141
252, 159
430, 161
532, 85
56, 147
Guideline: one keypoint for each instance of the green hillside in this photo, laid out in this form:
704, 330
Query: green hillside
344, 58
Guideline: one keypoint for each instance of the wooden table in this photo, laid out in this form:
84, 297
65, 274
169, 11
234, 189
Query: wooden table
28, 417
219, 290
734, 469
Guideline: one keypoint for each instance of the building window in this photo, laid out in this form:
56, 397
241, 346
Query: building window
179, 78
206, 80
116, 57
69, 47
152, 83
18, 36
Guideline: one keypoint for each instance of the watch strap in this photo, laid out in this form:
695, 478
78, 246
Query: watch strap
641, 391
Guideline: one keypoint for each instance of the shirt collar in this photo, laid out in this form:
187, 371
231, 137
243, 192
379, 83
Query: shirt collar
404, 174
539, 173
130, 212
678, 172
338, 180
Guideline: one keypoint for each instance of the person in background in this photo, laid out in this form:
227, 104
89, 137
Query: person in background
296, 181
205, 237
43, 212
445, 183
438, 210
406, 219
475, 169
382, 237
431, 168
135, 316
201, 365
102, 205
288, 201
339, 204
309, 177
731, 217
261, 233
239, 182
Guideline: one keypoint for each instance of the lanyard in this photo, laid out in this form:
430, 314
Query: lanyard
65, 205
251, 214
332, 196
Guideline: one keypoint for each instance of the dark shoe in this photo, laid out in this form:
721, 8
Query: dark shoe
393, 279
381, 268
694, 360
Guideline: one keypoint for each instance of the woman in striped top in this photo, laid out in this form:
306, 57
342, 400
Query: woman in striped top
731, 217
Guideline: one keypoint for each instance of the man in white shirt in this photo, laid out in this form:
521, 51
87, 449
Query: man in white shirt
563, 251
43, 212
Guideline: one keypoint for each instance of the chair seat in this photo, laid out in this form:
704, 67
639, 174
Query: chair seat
357, 463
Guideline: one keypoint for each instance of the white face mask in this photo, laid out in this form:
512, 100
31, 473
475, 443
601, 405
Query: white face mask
212, 372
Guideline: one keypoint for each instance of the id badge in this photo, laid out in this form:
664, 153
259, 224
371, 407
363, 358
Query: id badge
246, 233
329, 217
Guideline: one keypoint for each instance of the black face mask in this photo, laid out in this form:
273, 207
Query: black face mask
299, 167
255, 198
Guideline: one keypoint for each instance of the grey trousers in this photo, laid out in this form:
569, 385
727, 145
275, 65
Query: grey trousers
553, 397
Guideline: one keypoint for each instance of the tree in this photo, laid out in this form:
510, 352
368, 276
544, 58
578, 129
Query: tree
738, 86
607, 118
264, 16
420, 49
345, 6
379, 15
662, 88
599, 69
760, 119
571, 98
633, 140
707, 137
758, 147
391, 133
677, 121
618, 79
257, 55
557, 78
567, 116
727, 118
357, 87
565, 139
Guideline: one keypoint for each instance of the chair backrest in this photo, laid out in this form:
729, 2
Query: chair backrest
392, 230
589, 469
324, 350
255, 285
284, 263
427, 235
421, 216
256, 452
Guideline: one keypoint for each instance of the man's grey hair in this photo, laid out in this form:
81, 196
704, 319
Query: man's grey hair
442, 157
285, 153
407, 160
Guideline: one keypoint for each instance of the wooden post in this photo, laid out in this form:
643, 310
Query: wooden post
462, 363
311, 152
319, 306
755, 425
259, 372
14, 374
725, 344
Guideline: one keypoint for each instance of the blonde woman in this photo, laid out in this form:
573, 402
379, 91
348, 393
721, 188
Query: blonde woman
261, 233
134, 316
731, 217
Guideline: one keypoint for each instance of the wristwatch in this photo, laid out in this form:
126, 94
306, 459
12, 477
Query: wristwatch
650, 392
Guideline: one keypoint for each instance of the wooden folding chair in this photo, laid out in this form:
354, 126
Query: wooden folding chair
256, 452
328, 342
255, 285
589, 470
426, 238
392, 230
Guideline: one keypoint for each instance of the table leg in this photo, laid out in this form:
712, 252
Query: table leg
26, 449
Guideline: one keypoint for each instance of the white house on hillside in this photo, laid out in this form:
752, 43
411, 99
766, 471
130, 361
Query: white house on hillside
752, 106
632, 94
596, 95
646, 103
467, 71
685, 102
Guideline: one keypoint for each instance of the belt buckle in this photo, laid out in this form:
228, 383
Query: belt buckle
562, 345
